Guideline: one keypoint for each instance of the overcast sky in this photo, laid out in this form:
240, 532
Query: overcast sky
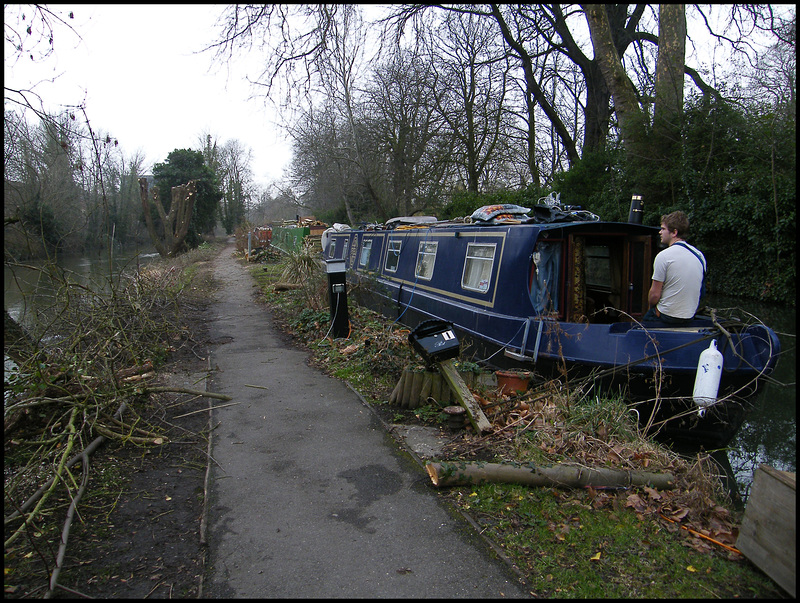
143, 80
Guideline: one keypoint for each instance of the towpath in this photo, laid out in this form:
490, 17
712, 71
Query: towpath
309, 495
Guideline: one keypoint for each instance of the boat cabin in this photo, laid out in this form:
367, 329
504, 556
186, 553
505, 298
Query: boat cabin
564, 271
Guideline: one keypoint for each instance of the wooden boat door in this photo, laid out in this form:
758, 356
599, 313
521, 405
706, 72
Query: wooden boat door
575, 290
608, 277
640, 272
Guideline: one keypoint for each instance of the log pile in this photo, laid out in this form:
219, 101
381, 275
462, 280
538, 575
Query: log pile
419, 386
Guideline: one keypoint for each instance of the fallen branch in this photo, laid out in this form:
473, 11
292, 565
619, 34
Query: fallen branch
44, 493
134, 370
153, 439
73, 505
565, 476
210, 408
183, 390
94, 445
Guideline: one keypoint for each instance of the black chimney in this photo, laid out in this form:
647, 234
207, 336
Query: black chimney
637, 208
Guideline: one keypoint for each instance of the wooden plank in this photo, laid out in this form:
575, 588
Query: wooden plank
768, 534
465, 397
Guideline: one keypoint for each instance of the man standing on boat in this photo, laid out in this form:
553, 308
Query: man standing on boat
678, 273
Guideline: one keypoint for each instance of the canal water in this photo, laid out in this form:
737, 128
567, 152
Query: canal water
30, 285
768, 436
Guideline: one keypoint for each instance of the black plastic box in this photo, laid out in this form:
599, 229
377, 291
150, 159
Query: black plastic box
435, 341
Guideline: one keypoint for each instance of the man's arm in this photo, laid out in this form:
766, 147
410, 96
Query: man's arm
655, 293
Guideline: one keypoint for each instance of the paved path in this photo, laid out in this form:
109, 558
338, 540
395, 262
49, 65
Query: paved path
310, 496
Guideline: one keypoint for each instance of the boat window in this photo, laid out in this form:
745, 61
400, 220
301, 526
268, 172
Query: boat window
426, 257
366, 249
544, 281
478, 267
598, 266
393, 256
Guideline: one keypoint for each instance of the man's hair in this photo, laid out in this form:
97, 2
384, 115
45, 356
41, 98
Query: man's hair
677, 220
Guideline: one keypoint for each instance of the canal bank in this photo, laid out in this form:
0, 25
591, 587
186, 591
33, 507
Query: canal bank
768, 435
544, 531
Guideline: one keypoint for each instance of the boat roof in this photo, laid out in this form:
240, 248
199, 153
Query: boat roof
544, 217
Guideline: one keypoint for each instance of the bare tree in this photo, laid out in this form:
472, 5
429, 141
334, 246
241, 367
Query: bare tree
325, 170
471, 92
236, 179
402, 113
30, 32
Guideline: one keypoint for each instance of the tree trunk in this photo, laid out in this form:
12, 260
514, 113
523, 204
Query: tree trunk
668, 109
151, 229
630, 117
176, 223
646, 147
564, 476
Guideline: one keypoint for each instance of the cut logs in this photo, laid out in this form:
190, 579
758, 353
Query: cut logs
444, 474
417, 386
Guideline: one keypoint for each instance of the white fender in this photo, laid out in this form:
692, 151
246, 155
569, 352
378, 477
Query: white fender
706, 381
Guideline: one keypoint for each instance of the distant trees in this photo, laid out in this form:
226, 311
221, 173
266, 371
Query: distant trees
66, 188
236, 177
69, 187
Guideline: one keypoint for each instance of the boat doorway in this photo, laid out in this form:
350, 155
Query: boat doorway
608, 277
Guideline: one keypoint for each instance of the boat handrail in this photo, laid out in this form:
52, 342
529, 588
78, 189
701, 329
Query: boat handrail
521, 355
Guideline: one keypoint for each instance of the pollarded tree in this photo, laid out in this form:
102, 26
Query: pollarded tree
181, 166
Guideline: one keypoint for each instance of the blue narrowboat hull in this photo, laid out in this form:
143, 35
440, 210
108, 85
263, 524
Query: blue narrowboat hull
560, 297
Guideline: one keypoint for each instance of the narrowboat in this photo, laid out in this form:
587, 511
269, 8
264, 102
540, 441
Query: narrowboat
556, 290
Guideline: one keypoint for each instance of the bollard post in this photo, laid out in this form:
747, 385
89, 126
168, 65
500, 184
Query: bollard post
337, 294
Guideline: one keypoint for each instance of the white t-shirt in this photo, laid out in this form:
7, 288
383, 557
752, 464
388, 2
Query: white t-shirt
682, 275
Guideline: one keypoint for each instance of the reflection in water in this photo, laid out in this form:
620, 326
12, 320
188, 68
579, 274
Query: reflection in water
769, 435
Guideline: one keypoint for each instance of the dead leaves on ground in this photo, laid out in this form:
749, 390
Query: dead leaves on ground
691, 505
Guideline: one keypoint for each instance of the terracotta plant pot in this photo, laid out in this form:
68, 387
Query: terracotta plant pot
513, 382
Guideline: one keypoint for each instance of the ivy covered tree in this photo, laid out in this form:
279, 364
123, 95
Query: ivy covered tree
181, 166
740, 173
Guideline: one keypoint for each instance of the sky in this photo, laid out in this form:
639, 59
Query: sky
140, 73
